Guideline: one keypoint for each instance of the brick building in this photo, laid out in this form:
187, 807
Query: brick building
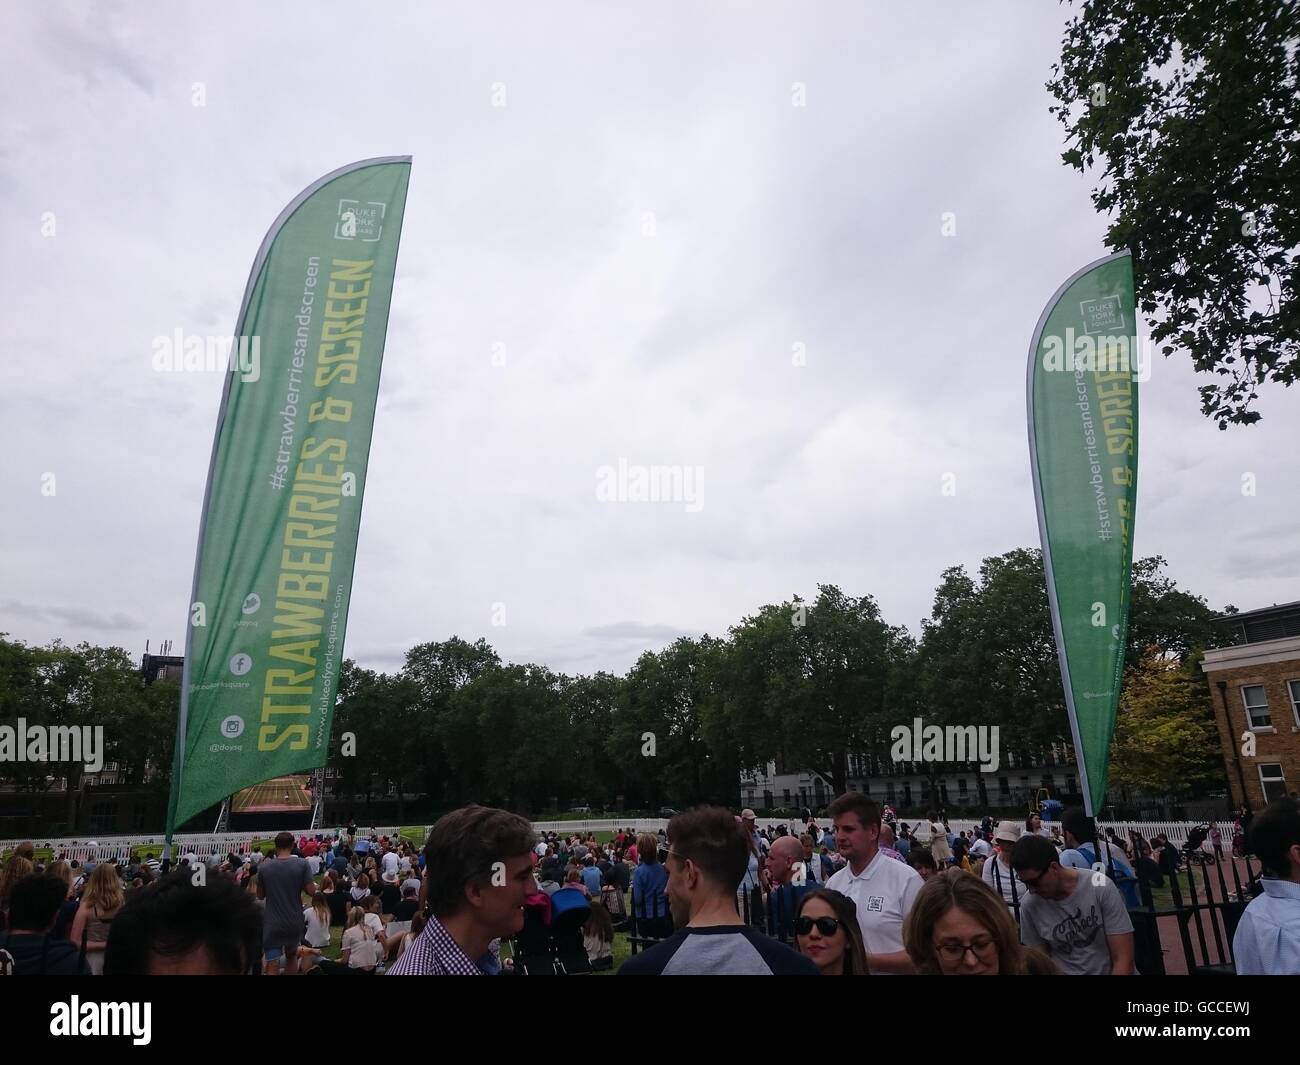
1255, 684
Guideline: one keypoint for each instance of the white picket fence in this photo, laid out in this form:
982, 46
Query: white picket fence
105, 848
205, 846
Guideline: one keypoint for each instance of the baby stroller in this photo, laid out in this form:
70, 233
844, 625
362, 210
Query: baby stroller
1193, 854
550, 943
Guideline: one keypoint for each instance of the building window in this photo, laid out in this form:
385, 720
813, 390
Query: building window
889, 793
1071, 785
1256, 705
785, 797
749, 798
907, 794
102, 817
1272, 781
1293, 687
1004, 786
961, 786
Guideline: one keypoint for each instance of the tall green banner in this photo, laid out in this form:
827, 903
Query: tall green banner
1083, 446
278, 535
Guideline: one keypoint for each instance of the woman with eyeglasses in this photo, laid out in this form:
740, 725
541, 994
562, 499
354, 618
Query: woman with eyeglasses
826, 929
959, 926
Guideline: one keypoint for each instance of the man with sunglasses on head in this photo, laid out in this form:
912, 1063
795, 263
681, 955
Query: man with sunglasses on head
708, 856
1076, 915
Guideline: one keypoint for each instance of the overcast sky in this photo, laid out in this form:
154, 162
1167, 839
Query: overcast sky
645, 232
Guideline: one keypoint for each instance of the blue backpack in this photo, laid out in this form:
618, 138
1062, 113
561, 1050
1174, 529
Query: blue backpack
1119, 872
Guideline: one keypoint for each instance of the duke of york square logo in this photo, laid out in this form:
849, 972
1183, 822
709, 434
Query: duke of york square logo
1103, 315
360, 221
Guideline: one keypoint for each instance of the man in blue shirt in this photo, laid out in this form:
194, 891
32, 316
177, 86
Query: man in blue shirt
1267, 942
649, 881
591, 876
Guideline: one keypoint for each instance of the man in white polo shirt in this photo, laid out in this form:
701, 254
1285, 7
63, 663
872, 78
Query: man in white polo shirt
882, 890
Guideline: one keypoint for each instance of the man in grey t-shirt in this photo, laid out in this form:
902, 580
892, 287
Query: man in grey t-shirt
1076, 915
281, 881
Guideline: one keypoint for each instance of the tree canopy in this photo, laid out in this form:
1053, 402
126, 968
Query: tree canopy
1191, 110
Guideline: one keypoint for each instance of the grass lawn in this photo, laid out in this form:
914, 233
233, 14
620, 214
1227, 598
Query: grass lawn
43, 854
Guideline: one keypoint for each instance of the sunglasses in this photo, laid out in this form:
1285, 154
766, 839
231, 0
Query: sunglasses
827, 926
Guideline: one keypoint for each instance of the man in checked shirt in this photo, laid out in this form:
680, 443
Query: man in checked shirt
478, 870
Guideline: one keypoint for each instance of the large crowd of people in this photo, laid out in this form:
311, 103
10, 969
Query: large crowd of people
856, 894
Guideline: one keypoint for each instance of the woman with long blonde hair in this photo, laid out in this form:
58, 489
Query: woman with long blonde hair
360, 949
101, 899
317, 916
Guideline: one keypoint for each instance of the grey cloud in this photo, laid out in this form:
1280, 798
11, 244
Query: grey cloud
101, 47
635, 630
78, 618
775, 225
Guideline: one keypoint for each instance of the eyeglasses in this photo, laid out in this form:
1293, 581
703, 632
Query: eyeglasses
827, 926
1032, 885
955, 951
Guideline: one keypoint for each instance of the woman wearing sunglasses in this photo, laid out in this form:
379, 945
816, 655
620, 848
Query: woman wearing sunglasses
826, 929
959, 926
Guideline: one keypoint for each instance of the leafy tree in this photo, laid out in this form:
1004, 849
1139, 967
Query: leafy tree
505, 737
988, 654
809, 683
589, 704
1163, 616
360, 712
1192, 110
22, 694
438, 671
1165, 740
988, 657
140, 737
